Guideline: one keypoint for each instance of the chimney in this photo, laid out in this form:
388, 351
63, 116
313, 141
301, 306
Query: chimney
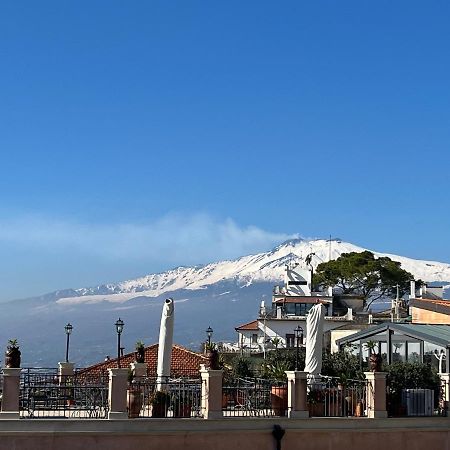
262, 308
412, 293
423, 290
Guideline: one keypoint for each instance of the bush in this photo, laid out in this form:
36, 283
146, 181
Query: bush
343, 365
406, 375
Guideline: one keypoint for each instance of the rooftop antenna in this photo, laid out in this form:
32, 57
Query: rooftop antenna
329, 249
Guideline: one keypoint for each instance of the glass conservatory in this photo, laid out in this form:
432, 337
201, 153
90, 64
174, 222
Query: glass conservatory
403, 342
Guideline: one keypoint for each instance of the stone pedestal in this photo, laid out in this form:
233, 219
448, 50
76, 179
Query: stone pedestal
11, 391
211, 393
297, 391
376, 394
117, 393
139, 370
65, 369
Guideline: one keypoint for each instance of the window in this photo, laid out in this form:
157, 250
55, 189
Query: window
301, 309
290, 340
254, 338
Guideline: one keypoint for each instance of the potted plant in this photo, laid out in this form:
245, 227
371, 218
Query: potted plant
212, 354
139, 354
278, 391
12, 354
316, 402
374, 358
134, 397
160, 401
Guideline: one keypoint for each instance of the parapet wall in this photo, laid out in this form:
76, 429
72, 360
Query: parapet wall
225, 434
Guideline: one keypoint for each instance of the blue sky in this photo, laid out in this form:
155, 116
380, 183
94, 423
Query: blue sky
136, 136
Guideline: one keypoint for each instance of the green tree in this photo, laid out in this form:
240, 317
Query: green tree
363, 274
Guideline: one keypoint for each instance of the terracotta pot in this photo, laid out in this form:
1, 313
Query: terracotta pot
225, 399
12, 358
316, 409
213, 359
182, 410
160, 410
139, 355
279, 400
134, 402
375, 362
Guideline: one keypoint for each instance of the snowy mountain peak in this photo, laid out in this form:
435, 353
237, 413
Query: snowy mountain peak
267, 266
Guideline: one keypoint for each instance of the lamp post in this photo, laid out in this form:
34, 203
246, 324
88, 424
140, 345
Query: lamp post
119, 329
68, 328
209, 333
298, 335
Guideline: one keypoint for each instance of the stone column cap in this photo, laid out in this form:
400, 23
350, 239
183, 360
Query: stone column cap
211, 372
116, 372
375, 374
296, 374
66, 364
11, 371
136, 364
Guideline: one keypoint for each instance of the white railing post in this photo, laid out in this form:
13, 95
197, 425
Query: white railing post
117, 394
211, 403
376, 394
297, 386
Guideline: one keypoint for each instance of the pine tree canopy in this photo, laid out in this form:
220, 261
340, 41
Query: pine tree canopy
363, 274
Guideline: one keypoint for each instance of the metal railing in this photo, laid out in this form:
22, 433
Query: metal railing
330, 397
165, 397
254, 397
44, 393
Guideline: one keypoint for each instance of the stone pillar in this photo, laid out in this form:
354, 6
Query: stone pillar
376, 394
211, 393
11, 392
139, 370
65, 369
117, 393
297, 400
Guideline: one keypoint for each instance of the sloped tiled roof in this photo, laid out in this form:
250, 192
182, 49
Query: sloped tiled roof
439, 306
248, 326
184, 362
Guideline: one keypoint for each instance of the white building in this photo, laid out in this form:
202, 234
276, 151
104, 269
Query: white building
291, 303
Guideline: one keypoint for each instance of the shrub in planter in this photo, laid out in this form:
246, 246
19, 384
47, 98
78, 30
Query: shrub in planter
12, 354
212, 354
160, 404
139, 354
278, 392
405, 375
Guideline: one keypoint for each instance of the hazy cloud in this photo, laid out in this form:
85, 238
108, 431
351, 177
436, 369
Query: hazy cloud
172, 239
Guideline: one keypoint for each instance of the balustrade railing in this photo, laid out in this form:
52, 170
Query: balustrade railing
165, 397
44, 393
254, 397
333, 397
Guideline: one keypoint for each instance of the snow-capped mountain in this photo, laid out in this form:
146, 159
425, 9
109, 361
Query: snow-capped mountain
223, 295
262, 267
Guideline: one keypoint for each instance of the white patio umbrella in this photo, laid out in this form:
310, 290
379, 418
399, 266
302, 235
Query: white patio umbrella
165, 343
314, 337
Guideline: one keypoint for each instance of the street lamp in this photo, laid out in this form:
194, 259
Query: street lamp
209, 333
119, 329
68, 329
298, 335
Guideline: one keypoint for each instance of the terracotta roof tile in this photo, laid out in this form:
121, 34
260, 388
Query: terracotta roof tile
248, 326
184, 362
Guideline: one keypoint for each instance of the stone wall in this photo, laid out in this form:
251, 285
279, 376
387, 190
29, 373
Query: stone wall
236, 434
